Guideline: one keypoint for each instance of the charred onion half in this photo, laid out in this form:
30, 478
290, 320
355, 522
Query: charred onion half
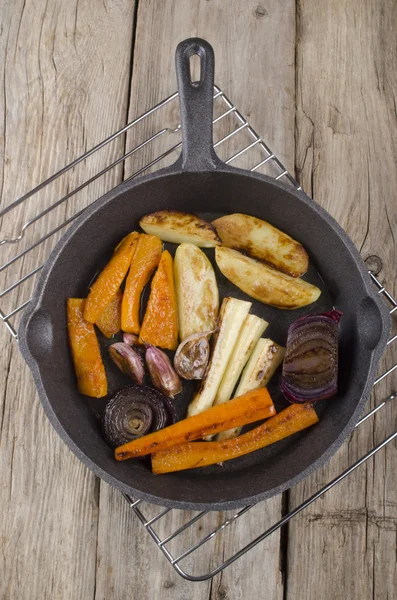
136, 411
310, 368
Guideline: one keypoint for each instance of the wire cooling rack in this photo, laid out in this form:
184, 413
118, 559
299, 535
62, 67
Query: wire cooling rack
28, 234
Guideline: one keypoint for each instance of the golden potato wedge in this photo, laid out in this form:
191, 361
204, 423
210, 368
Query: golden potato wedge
196, 290
178, 227
261, 240
264, 283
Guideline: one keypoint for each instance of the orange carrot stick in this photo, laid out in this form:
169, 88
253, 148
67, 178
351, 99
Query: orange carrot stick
146, 258
292, 419
160, 324
90, 372
253, 406
110, 320
110, 279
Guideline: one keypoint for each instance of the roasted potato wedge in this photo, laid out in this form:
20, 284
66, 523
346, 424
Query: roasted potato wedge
261, 240
178, 227
264, 283
196, 290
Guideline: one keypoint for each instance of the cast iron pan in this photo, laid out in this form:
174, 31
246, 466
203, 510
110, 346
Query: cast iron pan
201, 183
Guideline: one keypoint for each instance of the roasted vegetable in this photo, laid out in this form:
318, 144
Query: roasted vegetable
310, 368
127, 360
200, 454
178, 227
146, 258
131, 339
246, 409
135, 411
231, 318
90, 372
109, 321
110, 279
265, 359
251, 331
160, 324
197, 291
162, 373
261, 240
192, 355
264, 283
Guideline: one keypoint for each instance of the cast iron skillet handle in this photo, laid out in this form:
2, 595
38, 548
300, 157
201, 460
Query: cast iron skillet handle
196, 103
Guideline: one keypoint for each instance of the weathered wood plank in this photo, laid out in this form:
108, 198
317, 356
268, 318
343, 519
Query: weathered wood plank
64, 80
254, 48
346, 158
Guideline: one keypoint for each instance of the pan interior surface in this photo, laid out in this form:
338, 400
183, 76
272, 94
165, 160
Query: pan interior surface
210, 194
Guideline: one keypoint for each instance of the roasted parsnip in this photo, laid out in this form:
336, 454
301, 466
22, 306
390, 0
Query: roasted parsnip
251, 331
231, 318
260, 368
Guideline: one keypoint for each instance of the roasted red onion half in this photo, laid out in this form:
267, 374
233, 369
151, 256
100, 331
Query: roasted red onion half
136, 411
310, 367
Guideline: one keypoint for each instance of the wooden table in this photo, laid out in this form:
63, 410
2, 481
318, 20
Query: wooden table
316, 80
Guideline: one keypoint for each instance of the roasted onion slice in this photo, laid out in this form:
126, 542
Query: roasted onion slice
310, 368
136, 411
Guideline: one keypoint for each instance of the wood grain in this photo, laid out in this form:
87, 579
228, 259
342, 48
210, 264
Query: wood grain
254, 52
316, 80
64, 81
346, 158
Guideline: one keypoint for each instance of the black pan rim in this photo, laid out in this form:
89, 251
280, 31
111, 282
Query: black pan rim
176, 170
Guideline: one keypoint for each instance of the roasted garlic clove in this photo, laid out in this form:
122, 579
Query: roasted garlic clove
127, 360
131, 339
192, 355
161, 372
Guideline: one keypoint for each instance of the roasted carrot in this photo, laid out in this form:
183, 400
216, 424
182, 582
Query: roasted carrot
110, 320
160, 323
146, 258
200, 454
253, 406
90, 372
110, 279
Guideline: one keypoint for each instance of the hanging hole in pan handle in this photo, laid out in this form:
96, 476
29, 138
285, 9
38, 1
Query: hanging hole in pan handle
196, 100
195, 70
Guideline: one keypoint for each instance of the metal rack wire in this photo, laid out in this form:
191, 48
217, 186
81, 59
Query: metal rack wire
31, 234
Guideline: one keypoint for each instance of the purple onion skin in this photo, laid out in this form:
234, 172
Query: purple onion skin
310, 368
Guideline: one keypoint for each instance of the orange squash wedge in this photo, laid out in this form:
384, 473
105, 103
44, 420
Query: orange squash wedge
88, 365
110, 320
146, 258
111, 278
160, 324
